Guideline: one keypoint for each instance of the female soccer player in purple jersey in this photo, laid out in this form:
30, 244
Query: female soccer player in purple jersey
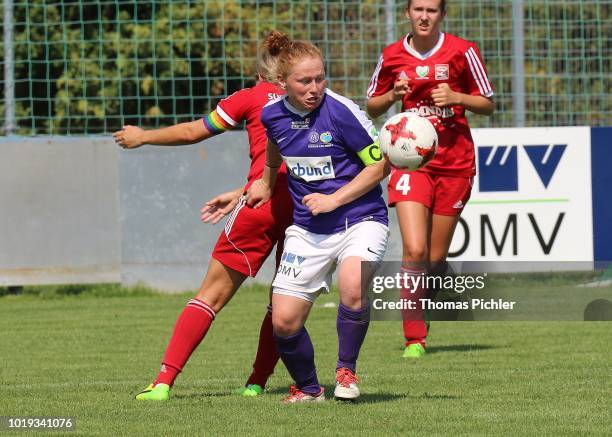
340, 218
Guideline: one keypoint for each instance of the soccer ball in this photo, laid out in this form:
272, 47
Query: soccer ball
408, 141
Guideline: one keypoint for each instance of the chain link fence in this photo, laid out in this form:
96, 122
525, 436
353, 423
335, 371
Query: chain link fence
85, 67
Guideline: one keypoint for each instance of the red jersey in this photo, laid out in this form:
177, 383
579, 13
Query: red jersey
454, 61
246, 104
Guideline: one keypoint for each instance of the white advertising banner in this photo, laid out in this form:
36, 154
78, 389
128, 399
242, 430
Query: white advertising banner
531, 199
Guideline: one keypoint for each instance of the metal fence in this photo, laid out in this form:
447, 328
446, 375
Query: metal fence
74, 68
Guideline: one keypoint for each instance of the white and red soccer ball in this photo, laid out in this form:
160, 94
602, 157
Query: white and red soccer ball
408, 141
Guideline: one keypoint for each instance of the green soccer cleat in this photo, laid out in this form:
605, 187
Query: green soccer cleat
159, 392
415, 350
250, 390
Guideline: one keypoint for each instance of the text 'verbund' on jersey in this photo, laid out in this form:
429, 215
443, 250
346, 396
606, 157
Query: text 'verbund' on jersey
310, 168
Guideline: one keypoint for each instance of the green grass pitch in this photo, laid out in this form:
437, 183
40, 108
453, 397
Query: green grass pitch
87, 355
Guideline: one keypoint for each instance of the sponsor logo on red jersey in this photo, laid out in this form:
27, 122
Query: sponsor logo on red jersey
441, 71
422, 71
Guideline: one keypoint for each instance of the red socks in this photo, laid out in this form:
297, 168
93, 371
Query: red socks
190, 329
415, 330
267, 354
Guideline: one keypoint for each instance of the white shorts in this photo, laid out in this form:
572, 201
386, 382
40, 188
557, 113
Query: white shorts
309, 259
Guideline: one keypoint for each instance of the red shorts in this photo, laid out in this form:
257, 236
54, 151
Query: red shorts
250, 234
443, 195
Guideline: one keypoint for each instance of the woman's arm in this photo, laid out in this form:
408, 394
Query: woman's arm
443, 96
367, 179
261, 190
131, 137
376, 106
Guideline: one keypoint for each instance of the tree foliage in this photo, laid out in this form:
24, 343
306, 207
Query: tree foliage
90, 67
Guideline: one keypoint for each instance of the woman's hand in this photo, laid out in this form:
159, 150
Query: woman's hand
258, 193
400, 89
220, 206
319, 203
130, 137
443, 96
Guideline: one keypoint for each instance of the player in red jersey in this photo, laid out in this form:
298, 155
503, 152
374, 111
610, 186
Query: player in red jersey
239, 252
438, 76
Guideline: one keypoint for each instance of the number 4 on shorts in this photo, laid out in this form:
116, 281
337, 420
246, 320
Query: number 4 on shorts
403, 184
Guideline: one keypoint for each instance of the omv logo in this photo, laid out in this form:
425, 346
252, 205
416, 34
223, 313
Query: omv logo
498, 165
310, 168
545, 159
497, 168
292, 258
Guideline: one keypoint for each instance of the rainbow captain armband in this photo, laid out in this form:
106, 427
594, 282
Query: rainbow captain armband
215, 124
371, 154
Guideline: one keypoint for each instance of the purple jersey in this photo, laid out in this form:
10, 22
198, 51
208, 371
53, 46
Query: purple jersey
320, 149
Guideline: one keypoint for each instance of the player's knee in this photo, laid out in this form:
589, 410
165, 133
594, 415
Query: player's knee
285, 329
216, 299
415, 253
284, 326
350, 296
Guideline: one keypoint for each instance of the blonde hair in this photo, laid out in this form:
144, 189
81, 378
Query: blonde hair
295, 51
268, 53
